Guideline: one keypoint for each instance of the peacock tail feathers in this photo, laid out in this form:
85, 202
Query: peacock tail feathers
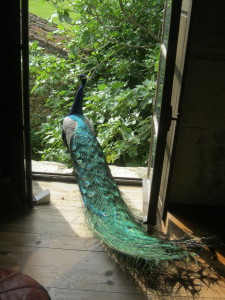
108, 214
152, 260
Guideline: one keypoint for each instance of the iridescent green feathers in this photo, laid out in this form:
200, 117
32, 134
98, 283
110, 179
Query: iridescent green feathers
110, 218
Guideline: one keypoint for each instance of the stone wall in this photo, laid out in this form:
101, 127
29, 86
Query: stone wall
42, 31
198, 174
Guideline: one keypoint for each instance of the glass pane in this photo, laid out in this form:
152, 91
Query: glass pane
162, 65
160, 84
154, 139
166, 24
152, 157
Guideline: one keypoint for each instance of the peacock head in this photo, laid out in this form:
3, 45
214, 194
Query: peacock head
83, 78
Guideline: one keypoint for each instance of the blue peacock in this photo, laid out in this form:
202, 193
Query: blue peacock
110, 218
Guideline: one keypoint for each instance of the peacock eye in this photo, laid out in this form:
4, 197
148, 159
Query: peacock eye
86, 183
84, 191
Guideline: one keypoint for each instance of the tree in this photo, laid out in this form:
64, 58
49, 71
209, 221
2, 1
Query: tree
116, 43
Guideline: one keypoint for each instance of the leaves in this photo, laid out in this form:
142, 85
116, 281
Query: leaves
116, 44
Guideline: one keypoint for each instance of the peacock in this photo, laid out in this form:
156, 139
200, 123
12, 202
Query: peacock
108, 214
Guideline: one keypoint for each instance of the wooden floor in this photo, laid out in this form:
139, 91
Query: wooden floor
53, 245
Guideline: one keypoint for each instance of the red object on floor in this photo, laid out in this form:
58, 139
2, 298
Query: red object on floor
16, 286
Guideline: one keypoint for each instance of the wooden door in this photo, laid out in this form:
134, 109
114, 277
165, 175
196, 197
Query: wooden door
15, 157
173, 51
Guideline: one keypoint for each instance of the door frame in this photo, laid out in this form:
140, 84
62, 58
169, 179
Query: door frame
15, 153
151, 189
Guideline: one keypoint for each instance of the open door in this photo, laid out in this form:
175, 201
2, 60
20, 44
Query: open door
15, 155
166, 111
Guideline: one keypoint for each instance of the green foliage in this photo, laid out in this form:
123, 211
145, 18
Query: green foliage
53, 78
116, 43
122, 116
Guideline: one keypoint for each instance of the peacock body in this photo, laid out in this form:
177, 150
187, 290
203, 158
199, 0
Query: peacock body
107, 213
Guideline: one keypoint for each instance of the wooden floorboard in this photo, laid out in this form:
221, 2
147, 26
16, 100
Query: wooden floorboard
40, 240
53, 244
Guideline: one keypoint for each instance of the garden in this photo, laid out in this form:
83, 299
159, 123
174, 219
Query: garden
116, 44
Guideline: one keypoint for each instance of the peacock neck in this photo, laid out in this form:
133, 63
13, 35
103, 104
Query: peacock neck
77, 107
